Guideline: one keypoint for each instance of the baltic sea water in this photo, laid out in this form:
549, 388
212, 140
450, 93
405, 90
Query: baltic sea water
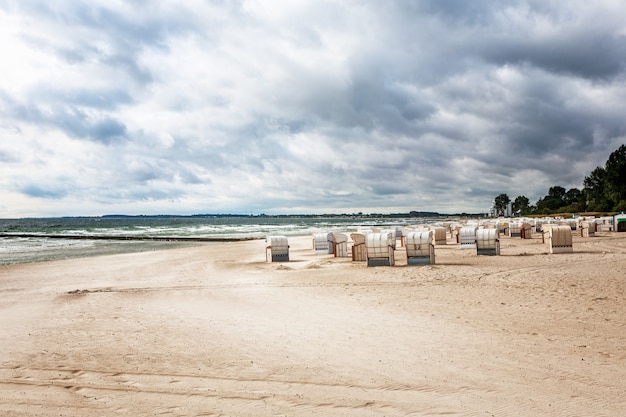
41, 239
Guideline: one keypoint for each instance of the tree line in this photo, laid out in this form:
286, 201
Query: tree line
604, 190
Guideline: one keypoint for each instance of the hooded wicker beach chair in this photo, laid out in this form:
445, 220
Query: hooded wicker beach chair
323, 243
439, 235
587, 228
393, 235
359, 250
558, 238
526, 230
515, 229
467, 237
277, 250
487, 242
340, 245
420, 248
380, 249
619, 222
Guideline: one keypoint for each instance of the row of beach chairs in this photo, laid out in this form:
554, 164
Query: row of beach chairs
378, 248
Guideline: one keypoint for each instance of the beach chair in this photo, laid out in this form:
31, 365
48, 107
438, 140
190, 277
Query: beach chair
420, 249
539, 225
604, 224
340, 245
393, 235
439, 235
359, 250
467, 237
502, 227
619, 222
515, 229
380, 249
487, 242
277, 250
587, 229
526, 230
573, 224
323, 243
454, 232
399, 234
558, 238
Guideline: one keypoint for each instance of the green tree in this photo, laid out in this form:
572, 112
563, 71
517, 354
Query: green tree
615, 179
553, 201
581, 201
574, 200
605, 188
572, 196
594, 190
557, 192
521, 204
501, 203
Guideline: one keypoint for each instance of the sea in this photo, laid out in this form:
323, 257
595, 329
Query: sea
44, 239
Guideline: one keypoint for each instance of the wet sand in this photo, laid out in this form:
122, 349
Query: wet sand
216, 331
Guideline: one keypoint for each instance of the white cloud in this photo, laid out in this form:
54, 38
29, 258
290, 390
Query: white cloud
303, 106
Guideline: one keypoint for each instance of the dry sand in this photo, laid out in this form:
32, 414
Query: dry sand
217, 331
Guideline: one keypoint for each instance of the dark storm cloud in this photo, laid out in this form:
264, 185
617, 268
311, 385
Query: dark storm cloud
75, 122
561, 38
592, 56
40, 191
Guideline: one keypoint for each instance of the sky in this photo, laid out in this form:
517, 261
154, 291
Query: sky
303, 107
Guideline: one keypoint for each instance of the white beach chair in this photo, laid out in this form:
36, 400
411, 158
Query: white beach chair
558, 238
515, 229
380, 249
277, 250
420, 249
323, 243
487, 242
467, 237
587, 229
393, 235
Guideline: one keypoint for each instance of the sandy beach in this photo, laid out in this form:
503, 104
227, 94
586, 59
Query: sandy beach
217, 331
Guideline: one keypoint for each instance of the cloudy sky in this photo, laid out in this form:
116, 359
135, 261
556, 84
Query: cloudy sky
295, 106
